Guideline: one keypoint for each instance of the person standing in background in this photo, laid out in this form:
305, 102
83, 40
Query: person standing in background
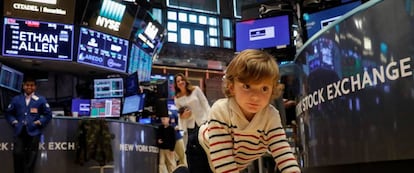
166, 144
191, 102
193, 109
179, 142
243, 126
28, 114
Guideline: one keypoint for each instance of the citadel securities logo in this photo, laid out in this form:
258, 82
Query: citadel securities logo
39, 8
110, 15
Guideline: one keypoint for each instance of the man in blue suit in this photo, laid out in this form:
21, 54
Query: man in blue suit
28, 114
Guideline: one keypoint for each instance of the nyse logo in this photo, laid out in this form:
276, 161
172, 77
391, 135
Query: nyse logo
261, 33
110, 15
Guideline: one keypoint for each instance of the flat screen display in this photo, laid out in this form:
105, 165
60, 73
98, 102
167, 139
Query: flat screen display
318, 20
132, 84
108, 88
102, 50
133, 104
110, 107
141, 62
81, 106
145, 120
62, 11
11, 78
111, 17
148, 33
272, 32
36, 39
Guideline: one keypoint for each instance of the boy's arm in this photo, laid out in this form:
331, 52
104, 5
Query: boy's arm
280, 148
221, 142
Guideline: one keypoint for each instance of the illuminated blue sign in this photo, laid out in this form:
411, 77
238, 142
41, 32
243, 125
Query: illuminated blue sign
110, 15
34, 39
102, 50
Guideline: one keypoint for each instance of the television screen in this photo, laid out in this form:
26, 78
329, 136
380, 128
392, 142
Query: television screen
109, 16
145, 120
148, 33
35, 39
110, 107
108, 88
132, 84
270, 32
81, 106
102, 50
318, 20
133, 104
158, 85
62, 11
161, 107
11, 78
140, 61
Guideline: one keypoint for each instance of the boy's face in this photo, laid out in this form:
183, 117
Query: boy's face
252, 97
165, 120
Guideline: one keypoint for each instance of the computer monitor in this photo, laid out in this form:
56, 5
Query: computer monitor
11, 78
81, 107
161, 107
270, 32
132, 84
108, 88
318, 20
133, 104
109, 107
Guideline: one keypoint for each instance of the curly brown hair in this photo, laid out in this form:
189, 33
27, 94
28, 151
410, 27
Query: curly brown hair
252, 66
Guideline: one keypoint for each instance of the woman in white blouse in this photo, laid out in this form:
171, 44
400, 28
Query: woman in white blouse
192, 104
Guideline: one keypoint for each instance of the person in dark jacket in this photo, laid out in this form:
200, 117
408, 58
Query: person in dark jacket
28, 114
166, 144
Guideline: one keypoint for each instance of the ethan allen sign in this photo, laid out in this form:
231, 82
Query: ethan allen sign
46, 10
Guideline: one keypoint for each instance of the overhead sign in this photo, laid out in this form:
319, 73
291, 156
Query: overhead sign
62, 11
34, 39
111, 17
102, 50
